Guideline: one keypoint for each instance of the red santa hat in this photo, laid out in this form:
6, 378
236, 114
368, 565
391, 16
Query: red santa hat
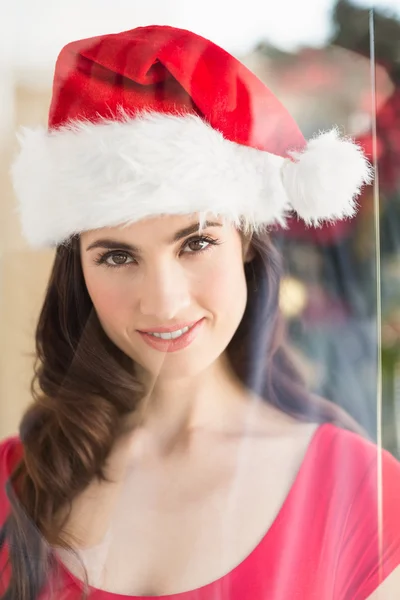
159, 120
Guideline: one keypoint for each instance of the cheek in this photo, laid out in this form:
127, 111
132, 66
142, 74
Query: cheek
109, 296
222, 287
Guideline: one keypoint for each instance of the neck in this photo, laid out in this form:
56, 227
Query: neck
175, 409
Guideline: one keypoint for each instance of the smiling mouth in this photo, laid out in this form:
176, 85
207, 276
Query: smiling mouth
169, 339
171, 331
170, 335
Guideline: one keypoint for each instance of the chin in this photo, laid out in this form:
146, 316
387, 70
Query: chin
176, 366
189, 362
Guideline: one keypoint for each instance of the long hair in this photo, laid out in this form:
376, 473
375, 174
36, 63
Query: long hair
84, 386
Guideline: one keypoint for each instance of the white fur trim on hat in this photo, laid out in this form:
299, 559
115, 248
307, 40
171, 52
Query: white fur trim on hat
323, 182
91, 175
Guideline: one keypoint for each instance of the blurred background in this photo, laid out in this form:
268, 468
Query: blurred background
316, 56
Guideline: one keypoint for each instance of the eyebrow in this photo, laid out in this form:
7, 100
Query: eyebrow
182, 233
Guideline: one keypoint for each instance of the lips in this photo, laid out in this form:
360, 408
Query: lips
172, 345
170, 328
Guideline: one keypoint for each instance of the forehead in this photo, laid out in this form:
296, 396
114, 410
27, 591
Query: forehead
159, 228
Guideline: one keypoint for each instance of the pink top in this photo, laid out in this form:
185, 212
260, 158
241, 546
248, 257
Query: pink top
324, 542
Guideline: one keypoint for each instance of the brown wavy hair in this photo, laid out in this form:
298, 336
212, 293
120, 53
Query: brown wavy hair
84, 387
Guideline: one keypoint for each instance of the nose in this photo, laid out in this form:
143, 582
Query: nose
165, 292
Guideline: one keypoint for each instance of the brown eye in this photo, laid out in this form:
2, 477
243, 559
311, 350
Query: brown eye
115, 259
118, 258
197, 245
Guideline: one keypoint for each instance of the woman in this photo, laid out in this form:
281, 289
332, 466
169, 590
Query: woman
171, 449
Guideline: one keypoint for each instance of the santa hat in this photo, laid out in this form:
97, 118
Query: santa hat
159, 120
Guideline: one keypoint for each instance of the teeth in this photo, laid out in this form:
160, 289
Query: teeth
171, 335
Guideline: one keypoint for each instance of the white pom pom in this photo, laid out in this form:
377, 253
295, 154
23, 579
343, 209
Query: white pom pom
325, 179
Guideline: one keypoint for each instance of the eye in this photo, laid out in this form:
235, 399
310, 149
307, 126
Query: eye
114, 259
198, 244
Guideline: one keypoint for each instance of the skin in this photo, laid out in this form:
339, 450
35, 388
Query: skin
203, 439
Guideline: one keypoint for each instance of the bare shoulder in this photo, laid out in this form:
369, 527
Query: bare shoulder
279, 436
278, 425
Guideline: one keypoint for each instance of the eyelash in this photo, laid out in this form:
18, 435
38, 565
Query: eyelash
102, 258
